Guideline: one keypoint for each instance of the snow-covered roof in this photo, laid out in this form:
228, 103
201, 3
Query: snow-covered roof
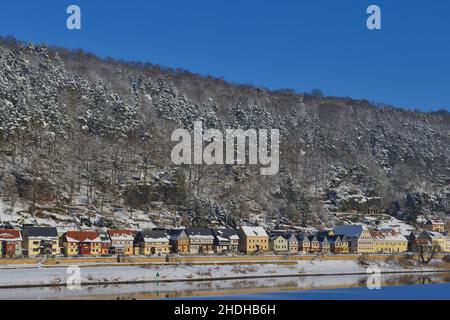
10, 235
200, 233
388, 236
175, 234
435, 221
434, 234
254, 231
226, 234
120, 235
154, 236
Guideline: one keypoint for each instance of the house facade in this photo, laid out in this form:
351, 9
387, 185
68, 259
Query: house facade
121, 242
105, 243
292, 243
86, 243
314, 244
201, 240
389, 242
151, 242
325, 246
304, 245
39, 241
359, 238
253, 239
436, 225
278, 244
179, 241
338, 244
10, 243
225, 241
436, 239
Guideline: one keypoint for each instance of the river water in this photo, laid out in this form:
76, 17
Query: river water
405, 286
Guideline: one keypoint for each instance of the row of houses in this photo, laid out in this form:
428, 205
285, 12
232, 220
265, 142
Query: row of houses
37, 241
342, 239
439, 241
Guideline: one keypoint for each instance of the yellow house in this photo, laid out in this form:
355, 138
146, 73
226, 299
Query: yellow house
152, 242
253, 239
359, 238
365, 242
437, 240
436, 225
338, 244
87, 243
121, 242
39, 241
278, 244
389, 242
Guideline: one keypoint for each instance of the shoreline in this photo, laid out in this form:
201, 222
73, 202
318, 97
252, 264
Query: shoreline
244, 277
193, 259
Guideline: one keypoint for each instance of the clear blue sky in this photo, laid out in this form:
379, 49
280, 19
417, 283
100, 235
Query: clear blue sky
277, 44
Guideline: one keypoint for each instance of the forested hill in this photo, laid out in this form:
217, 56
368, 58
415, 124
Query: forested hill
86, 141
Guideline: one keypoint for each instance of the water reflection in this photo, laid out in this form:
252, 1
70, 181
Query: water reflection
218, 288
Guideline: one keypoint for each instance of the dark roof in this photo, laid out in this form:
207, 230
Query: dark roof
321, 234
275, 236
104, 237
41, 231
230, 232
154, 234
174, 234
226, 233
348, 230
199, 232
323, 239
291, 237
333, 239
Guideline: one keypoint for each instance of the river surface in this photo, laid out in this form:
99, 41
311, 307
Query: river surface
405, 286
439, 291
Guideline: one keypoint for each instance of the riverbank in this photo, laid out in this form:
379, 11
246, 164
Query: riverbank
197, 259
28, 276
221, 288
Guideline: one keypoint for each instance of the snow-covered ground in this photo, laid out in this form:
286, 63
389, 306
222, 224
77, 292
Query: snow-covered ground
36, 275
197, 288
206, 288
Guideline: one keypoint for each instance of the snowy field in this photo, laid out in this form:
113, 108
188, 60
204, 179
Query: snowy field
37, 275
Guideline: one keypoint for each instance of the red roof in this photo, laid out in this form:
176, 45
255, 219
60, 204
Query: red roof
7, 234
119, 233
82, 236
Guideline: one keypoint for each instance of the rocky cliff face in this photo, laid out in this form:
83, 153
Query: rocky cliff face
87, 141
